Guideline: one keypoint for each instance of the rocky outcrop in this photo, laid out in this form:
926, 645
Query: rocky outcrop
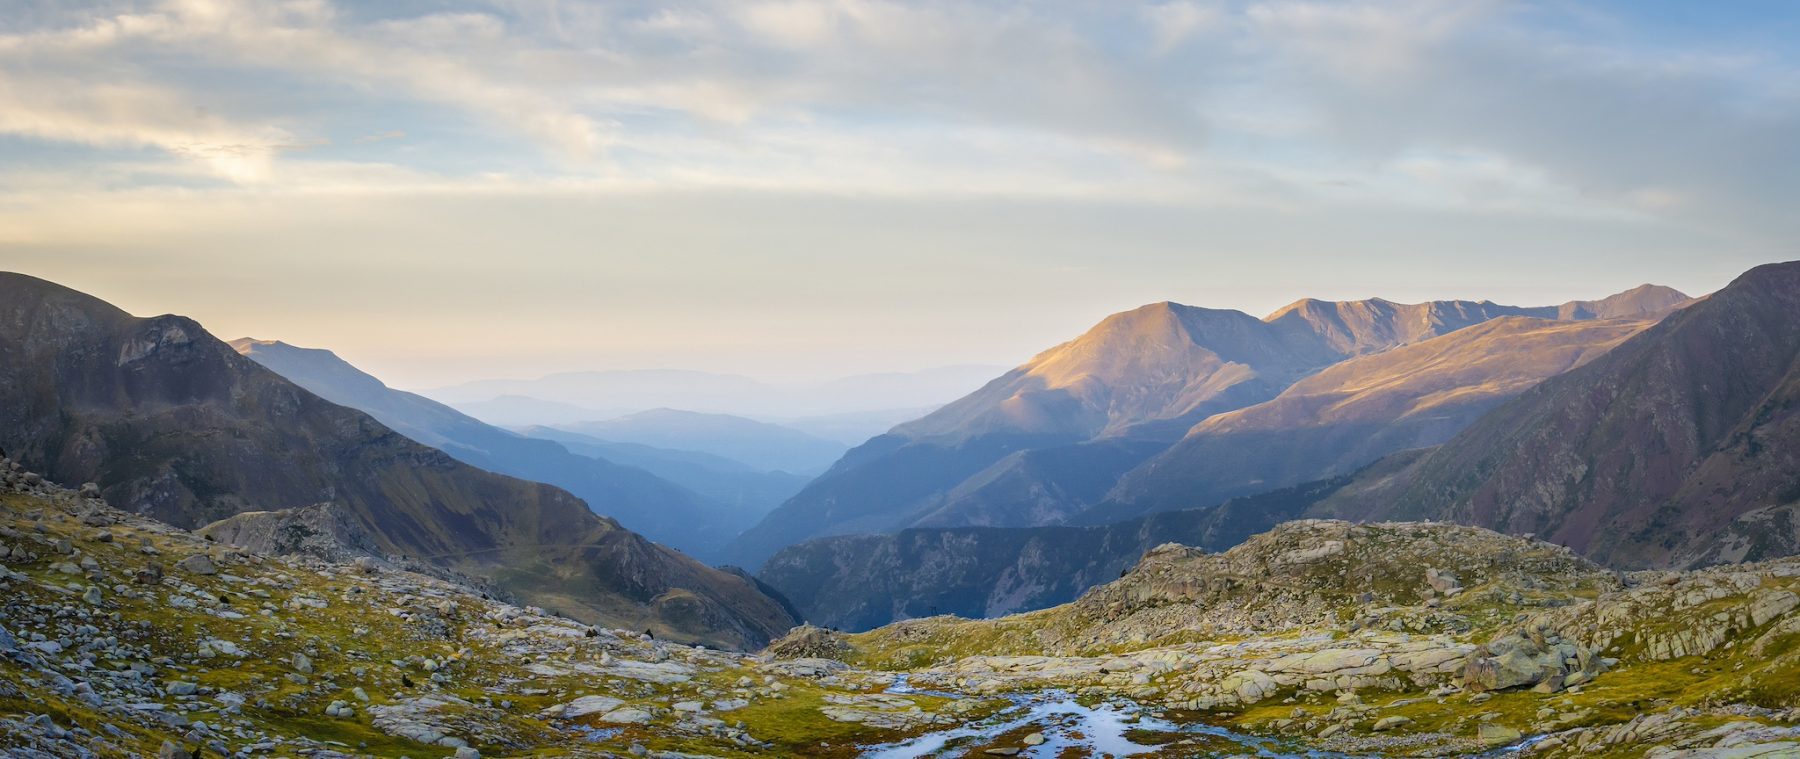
1325, 573
322, 530
1537, 658
809, 642
1667, 616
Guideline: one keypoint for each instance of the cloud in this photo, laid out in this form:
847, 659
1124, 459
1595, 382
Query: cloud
110, 115
1174, 23
1270, 103
391, 134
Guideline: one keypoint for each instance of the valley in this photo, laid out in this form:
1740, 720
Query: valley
899, 379
121, 636
1111, 571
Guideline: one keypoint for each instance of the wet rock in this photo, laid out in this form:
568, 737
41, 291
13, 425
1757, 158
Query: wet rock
1493, 734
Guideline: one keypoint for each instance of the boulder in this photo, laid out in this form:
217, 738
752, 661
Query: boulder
198, 564
1389, 723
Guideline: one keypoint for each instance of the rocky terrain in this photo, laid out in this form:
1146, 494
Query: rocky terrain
123, 637
1404, 640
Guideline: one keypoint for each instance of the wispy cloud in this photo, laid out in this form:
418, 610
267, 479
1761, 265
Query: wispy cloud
1293, 128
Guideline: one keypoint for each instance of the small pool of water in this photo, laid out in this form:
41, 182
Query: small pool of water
1101, 729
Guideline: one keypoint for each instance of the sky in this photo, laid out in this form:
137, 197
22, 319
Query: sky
796, 190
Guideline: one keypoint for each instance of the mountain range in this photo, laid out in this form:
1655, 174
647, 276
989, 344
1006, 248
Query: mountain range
760, 445
1052, 438
1679, 447
572, 397
664, 510
1639, 443
173, 423
1356, 411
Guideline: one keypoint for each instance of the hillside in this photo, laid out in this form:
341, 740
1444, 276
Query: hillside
857, 582
1352, 413
1047, 440
661, 509
1392, 639
1651, 455
172, 423
123, 637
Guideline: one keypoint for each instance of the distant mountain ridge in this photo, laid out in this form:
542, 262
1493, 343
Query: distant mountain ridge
660, 509
763, 446
747, 492
621, 392
173, 423
1105, 402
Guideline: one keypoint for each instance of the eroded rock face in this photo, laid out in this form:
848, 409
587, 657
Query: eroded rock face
1667, 616
1536, 658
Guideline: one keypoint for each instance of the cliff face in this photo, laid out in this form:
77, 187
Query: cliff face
174, 424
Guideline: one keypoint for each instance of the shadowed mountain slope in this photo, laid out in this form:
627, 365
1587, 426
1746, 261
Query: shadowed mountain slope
1045, 441
857, 582
1352, 413
664, 511
1649, 455
173, 423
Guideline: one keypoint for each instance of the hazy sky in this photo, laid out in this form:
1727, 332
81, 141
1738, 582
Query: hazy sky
446, 191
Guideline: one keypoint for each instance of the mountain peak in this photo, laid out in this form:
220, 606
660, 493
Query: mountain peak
1643, 300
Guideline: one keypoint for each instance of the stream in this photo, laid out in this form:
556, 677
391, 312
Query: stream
1101, 730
